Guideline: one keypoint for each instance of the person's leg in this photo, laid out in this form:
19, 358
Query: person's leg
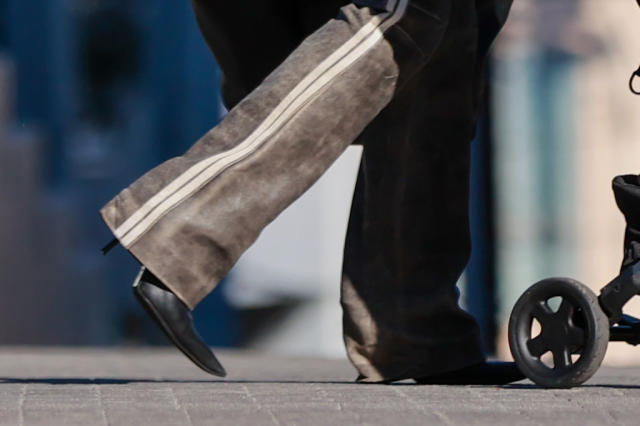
189, 219
627, 192
245, 61
408, 239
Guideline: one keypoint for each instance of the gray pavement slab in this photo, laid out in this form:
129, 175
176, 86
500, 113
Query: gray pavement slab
63, 386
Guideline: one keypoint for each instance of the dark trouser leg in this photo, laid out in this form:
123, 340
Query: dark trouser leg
627, 191
189, 219
408, 237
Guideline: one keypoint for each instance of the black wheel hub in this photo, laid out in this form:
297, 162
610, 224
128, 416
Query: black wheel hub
577, 327
559, 333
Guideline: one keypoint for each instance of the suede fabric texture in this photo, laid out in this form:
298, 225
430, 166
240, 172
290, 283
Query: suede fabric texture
196, 242
411, 100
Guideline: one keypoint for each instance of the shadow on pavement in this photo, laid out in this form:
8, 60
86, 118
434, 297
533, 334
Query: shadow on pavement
125, 381
605, 386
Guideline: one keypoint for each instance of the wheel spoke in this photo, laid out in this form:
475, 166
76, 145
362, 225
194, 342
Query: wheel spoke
561, 358
542, 312
565, 311
537, 346
576, 336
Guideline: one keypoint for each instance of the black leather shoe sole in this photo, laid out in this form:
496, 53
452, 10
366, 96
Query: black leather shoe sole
212, 367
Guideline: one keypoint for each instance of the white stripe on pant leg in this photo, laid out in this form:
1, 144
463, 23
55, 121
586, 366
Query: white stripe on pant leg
204, 171
228, 160
194, 170
180, 181
216, 168
199, 167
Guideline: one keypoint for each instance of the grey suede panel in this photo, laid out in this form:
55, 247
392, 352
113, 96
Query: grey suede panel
210, 231
245, 117
196, 243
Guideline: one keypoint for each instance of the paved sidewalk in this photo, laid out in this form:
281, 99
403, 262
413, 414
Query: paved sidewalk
48, 386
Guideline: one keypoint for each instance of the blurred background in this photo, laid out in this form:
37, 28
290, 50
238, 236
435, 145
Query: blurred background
94, 93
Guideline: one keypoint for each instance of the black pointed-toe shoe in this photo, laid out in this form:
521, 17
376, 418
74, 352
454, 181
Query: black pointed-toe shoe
176, 321
484, 373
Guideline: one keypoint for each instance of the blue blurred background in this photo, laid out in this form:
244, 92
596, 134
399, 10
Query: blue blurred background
97, 92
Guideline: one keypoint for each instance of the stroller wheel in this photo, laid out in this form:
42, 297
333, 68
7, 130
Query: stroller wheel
557, 333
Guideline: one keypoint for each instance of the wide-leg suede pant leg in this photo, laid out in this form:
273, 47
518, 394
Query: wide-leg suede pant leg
408, 238
189, 219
